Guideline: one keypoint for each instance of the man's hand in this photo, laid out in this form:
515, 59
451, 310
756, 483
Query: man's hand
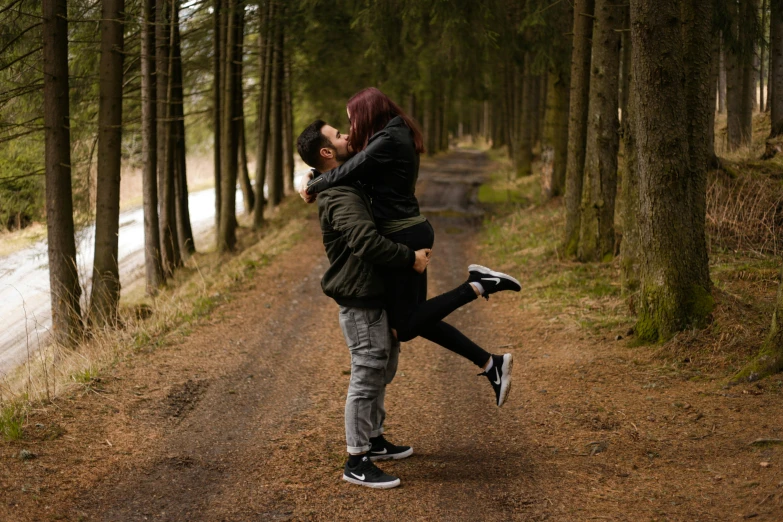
308, 198
422, 260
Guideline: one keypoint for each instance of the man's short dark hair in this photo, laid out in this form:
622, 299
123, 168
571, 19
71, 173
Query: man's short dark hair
310, 143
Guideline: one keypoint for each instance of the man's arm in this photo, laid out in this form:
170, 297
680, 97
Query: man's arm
378, 151
349, 214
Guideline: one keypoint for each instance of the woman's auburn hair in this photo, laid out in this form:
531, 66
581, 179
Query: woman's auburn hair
371, 111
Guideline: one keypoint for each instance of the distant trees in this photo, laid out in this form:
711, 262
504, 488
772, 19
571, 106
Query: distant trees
577, 124
596, 236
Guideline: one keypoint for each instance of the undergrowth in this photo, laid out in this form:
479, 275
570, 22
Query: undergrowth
744, 228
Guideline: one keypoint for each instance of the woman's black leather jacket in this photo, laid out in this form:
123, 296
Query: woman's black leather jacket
387, 168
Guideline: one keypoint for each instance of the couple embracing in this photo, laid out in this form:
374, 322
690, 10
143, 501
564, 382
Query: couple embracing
379, 246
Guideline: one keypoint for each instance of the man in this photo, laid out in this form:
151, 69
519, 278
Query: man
354, 247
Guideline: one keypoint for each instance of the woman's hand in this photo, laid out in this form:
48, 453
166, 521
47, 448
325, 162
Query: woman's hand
422, 260
303, 188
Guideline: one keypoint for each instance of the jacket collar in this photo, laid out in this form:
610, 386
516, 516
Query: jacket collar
395, 122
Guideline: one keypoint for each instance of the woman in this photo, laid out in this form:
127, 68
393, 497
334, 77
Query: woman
388, 143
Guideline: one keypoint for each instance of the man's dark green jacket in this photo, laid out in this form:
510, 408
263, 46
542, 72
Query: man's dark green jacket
357, 252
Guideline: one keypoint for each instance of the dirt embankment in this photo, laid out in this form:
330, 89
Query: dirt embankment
244, 421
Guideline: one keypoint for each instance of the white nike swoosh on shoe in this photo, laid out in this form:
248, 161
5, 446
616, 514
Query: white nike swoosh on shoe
497, 374
380, 452
495, 279
360, 477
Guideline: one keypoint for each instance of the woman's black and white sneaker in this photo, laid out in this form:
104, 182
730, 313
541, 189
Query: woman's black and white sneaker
500, 376
382, 449
368, 474
492, 281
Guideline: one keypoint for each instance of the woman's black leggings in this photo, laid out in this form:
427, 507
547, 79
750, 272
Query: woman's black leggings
412, 314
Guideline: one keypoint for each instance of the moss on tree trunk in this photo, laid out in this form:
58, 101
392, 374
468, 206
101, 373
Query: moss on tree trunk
769, 360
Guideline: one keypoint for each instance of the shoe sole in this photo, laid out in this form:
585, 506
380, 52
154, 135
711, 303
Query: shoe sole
487, 271
505, 382
396, 456
375, 485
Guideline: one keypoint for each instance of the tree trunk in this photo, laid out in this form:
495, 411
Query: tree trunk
444, 126
63, 274
527, 119
166, 183
712, 87
754, 68
769, 71
629, 191
748, 34
776, 67
275, 175
762, 55
267, 13
739, 73
105, 295
596, 236
541, 98
734, 89
674, 291
186, 241
243, 173
498, 125
554, 146
625, 67
149, 153
288, 130
577, 120
217, 104
700, 105
228, 143
722, 78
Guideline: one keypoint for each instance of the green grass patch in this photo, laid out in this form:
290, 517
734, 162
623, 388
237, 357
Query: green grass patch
11, 422
489, 194
526, 242
85, 376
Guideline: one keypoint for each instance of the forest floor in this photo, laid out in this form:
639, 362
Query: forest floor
242, 417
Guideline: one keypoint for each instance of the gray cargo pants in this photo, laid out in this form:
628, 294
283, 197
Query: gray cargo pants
374, 357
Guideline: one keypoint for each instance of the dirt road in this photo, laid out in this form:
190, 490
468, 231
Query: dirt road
243, 418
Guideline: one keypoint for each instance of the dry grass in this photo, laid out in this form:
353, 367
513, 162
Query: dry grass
148, 323
11, 242
745, 213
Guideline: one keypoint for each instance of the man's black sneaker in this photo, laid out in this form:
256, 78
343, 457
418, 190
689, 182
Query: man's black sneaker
368, 474
492, 281
382, 449
500, 376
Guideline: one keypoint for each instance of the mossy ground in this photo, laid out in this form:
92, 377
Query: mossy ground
524, 235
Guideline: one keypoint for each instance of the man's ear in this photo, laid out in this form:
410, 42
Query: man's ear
326, 153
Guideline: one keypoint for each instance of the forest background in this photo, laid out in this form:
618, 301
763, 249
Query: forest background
657, 139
